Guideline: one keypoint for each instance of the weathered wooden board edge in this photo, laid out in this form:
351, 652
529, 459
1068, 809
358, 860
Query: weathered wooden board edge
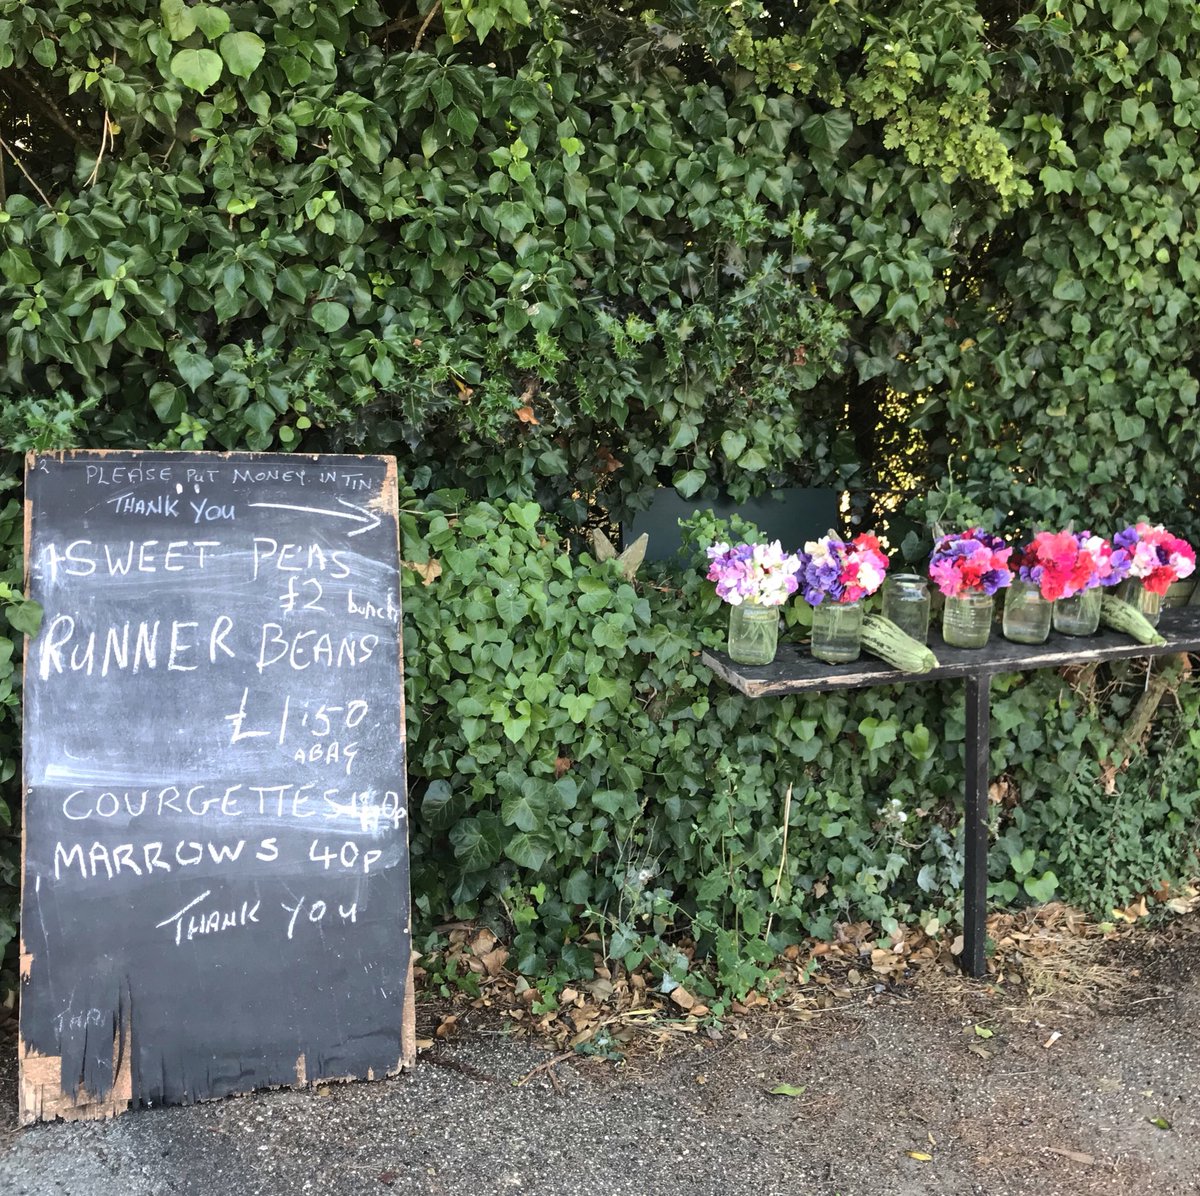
40, 1095
408, 1018
869, 671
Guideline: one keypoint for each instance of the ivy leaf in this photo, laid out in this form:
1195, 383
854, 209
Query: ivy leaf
1125, 14
260, 416
178, 20
330, 315
105, 325
1069, 288
525, 810
865, 295
197, 69
1043, 887
1117, 138
193, 368
436, 806
1056, 181
939, 220
733, 444
25, 616
242, 52
296, 69
828, 130
878, 733
525, 514
211, 21
528, 851
904, 307
17, 266
688, 483
1128, 427
463, 121
476, 844
513, 216
511, 605
578, 706
167, 401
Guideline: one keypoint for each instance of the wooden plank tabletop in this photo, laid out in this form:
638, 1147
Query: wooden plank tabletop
795, 671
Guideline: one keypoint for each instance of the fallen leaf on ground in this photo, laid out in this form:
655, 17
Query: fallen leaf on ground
984, 1032
1160, 1122
920, 1156
495, 960
786, 1090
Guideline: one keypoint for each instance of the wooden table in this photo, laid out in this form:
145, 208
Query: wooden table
794, 671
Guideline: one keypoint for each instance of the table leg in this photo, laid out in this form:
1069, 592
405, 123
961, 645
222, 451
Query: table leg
975, 825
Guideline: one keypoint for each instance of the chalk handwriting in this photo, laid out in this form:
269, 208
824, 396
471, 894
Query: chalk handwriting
145, 859
348, 855
317, 912
211, 921
298, 558
82, 558
127, 475
65, 647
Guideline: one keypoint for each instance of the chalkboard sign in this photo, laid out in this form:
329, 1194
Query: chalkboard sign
215, 888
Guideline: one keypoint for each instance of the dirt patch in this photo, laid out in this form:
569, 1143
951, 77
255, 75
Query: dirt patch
1080, 1083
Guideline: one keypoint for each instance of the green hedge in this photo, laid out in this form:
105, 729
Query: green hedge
573, 759
939, 253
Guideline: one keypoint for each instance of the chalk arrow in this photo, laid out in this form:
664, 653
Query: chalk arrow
369, 519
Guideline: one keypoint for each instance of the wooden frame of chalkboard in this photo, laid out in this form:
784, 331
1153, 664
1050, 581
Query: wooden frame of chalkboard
215, 837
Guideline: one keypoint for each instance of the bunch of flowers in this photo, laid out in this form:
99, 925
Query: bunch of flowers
840, 570
761, 573
1063, 564
1155, 556
970, 562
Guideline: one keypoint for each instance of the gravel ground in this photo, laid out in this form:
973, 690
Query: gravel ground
1001, 1115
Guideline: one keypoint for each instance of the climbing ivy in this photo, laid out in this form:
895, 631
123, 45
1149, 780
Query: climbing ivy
940, 253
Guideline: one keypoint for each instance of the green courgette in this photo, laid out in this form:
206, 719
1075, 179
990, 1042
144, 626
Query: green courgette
881, 637
1128, 620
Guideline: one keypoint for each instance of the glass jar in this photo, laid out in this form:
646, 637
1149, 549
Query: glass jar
967, 620
1027, 614
1079, 614
753, 633
1133, 591
906, 603
837, 631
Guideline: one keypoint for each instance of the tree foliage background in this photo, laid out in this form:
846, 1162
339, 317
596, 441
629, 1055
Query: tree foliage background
941, 253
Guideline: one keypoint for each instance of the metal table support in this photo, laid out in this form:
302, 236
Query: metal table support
975, 822
794, 671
